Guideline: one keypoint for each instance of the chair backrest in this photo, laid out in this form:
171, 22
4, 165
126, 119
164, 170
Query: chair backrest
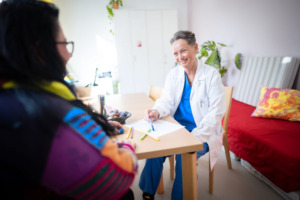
83, 92
228, 98
155, 92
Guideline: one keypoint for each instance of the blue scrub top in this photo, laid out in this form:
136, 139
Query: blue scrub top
183, 113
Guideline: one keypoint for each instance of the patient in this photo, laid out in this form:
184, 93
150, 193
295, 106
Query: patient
51, 145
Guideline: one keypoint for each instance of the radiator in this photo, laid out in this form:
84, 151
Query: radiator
256, 72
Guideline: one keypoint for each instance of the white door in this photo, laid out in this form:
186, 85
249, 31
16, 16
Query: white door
143, 47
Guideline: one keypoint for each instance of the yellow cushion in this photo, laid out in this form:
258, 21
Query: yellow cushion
279, 104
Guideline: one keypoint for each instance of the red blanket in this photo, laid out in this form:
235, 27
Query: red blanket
271, 146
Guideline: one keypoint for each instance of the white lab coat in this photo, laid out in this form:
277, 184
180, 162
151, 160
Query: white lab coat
207, 103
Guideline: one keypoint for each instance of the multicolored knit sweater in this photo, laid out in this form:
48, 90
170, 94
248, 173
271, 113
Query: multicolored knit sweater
77, 160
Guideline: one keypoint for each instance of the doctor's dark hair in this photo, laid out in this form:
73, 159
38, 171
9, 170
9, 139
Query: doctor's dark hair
188, 36
28, 32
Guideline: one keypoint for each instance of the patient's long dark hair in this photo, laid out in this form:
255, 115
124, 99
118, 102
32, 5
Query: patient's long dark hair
28, 55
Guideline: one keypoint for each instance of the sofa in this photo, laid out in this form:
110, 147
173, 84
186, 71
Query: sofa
269, 143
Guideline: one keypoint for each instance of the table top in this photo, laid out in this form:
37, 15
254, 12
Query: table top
177, 142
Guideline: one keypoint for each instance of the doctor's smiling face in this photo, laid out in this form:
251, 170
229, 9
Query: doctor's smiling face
185, 54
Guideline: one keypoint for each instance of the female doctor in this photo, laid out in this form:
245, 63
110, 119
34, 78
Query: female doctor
195, 96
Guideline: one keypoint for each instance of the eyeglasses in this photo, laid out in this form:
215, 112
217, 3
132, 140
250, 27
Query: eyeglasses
69, 46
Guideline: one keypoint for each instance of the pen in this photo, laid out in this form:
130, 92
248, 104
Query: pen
151, 122
157, 139
128, 133
143, 136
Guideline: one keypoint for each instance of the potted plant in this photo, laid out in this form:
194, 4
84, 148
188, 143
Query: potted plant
210, 49
116, 4
113, 4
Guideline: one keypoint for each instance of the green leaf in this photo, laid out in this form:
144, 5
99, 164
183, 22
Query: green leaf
110, 12
223, 45
111, 31
237, 61
209, 45
203, 52
212, 59
213, 45
222, 71
218, 56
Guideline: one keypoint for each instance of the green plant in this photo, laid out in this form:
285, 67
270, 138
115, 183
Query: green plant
210, 49
237, 60
110, 7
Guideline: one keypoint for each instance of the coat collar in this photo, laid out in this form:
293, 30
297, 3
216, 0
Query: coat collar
200, 73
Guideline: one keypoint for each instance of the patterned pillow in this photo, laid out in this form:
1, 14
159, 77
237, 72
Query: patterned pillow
278, 103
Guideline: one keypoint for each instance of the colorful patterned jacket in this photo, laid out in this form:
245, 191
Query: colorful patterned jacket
76, 160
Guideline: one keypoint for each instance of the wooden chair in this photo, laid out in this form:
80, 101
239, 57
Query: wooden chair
228, 98
84, 94
155, 92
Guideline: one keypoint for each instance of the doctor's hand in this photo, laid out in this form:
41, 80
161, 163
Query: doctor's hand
154, 114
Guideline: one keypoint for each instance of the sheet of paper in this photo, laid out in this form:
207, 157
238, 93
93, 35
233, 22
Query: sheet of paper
161, 127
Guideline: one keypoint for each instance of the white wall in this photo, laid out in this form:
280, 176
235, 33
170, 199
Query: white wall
143, 47
253, 28
179, 5
86, 23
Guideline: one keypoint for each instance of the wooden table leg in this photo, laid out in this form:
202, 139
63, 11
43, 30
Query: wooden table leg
189, 176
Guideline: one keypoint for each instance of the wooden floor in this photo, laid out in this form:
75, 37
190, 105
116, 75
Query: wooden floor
235, 184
